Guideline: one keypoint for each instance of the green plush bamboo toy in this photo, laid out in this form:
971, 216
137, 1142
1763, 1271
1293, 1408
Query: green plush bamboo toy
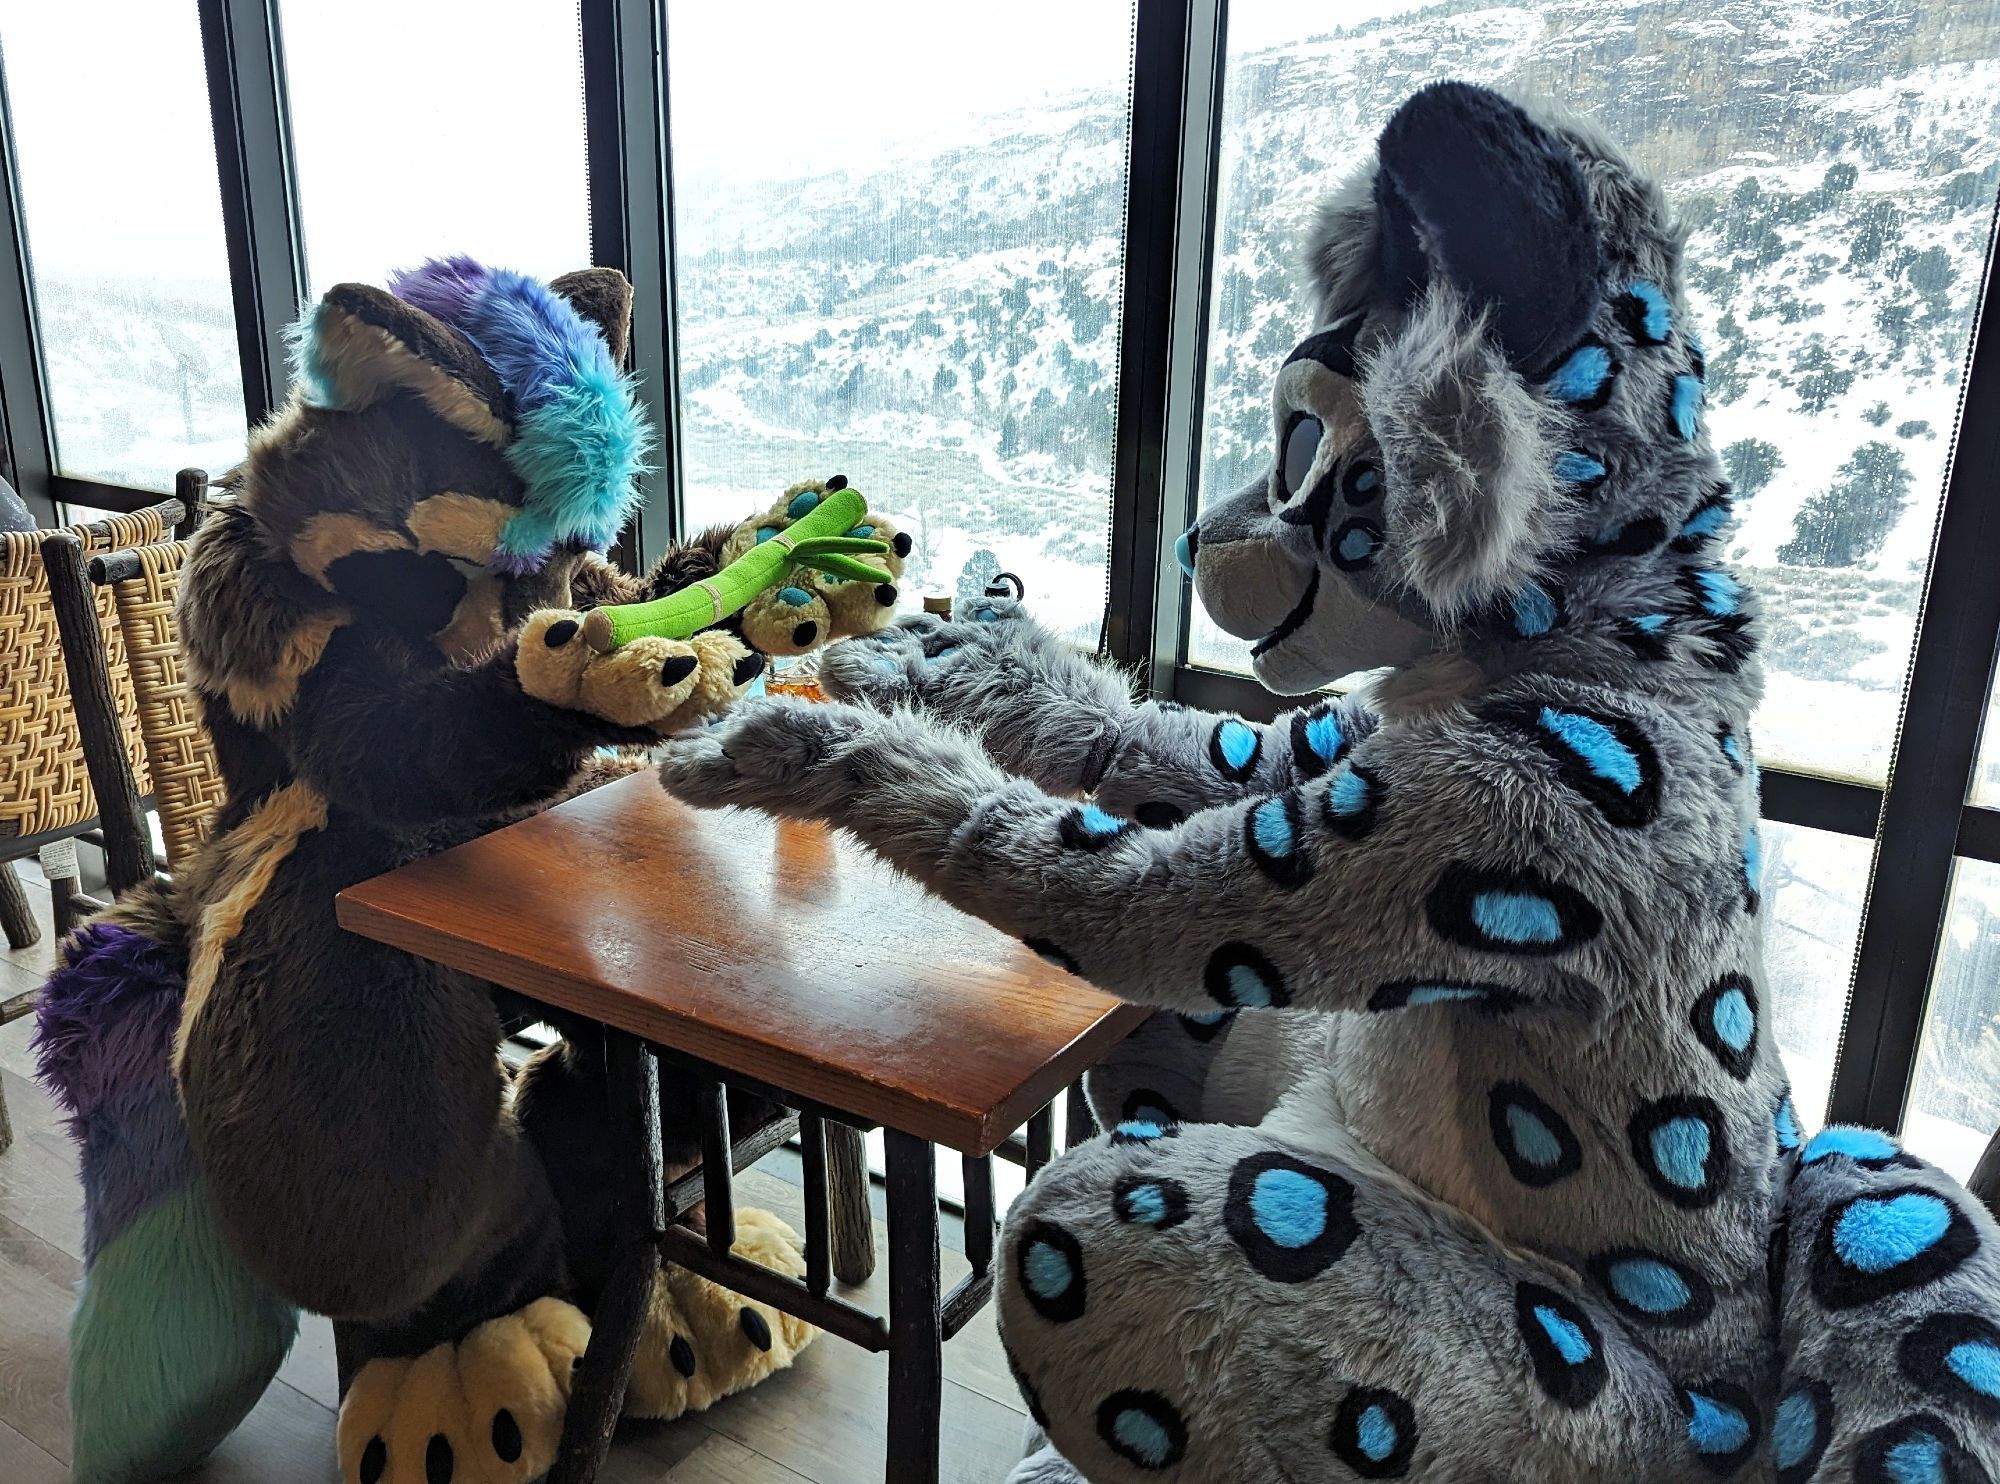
796, 574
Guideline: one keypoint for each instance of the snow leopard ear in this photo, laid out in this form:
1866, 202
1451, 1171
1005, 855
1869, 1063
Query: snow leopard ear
1473, 191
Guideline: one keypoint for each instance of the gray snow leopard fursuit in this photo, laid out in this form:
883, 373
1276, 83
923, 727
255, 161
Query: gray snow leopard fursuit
1460, 1149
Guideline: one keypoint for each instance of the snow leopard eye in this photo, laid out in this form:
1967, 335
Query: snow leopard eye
1301, 447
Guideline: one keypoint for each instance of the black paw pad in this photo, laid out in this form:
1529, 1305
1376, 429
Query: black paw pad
677, 669
374, 1460
560, 632
681, 1353
438, 1462
506, 1436
885, 594
902, 543
755, 1330
746, 669
838, 482
804, 634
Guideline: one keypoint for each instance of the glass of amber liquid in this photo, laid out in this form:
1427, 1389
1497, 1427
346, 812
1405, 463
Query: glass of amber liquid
797, 678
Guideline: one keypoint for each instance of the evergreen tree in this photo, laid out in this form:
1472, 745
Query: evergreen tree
1846, 524
1751, 462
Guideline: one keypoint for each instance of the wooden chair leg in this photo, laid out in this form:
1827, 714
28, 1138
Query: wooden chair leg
17, 915
62, 898
847, 1194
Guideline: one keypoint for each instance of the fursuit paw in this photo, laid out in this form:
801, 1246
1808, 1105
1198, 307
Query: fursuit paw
956, 669
663, 684
488, 1410
702, 1342
788, 757
812, 608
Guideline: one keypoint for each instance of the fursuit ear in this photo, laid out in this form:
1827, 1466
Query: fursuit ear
604, 297
1473, 191
358, 344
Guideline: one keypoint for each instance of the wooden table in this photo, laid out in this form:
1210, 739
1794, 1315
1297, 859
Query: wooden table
782, 959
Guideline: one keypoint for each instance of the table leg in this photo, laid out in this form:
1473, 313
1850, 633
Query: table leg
853, 1223
632, 1096
916, 1324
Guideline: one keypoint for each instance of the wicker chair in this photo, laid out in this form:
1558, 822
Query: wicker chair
46, 798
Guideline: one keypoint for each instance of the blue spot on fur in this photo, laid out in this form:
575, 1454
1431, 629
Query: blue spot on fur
1323, 735
1578, 468
794, 597
1348, 793
1753, 860
765, 533
1734, 1021
1650, 623
1719, 592
1594, 742
863, 531
1680, 1151
1715, 1427
1533, 1139
1366, 481
1877, 1235
1855, 1143
1289, 1207
1657, 317
1138, 1130
1516, 917
1705, 522
1048, 1271
802, 504
1796, 1426
1247, 987
949, 649
1787, 1122
1145, 1436
1917, 1460
1272, 827
1650, 1286
1098, 821
1442, 994
1534, 613
1146, 1204
1687, 404
1238, 742
1571, 1343
1977, 1364
1732, 749
1357, 544
985, 615
1376, 1433
1582, 375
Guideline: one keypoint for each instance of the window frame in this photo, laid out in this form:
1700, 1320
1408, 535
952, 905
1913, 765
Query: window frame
1920, 821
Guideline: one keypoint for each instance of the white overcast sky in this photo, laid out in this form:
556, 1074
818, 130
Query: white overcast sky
430, 125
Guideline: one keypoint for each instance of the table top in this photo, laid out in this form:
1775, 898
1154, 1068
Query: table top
779, 951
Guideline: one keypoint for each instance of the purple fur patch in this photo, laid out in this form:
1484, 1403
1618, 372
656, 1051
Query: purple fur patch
134, 1154
105, 1024
531, 337
445, 287
519, 564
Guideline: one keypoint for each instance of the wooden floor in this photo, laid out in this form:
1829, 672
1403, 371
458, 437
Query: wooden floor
820, 1421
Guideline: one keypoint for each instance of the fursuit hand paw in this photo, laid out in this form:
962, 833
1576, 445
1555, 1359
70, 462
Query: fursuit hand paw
663, 684
788, 757
925, 662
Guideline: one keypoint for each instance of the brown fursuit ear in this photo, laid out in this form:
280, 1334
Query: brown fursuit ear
360, 343
604, 297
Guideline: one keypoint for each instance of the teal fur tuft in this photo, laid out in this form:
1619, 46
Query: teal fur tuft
172, 1343
310, 372
581, 454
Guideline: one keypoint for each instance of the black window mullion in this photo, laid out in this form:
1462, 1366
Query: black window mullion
244, 56
1176, 57
1936, 750
1979, 834
631, 225
24, 401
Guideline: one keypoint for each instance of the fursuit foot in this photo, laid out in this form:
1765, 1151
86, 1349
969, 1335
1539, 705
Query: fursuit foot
487, 1410
702, 1342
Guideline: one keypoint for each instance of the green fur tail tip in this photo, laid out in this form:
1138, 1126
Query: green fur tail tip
817, 539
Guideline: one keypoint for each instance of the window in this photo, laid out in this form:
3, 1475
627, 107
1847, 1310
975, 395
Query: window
1955, 1103
478, 147
1817, 884
124, 226
1986, 775
898, 239
1839, 236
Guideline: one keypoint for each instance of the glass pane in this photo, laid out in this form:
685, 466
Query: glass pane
1955, 1103
479, 147
1986, 777
125, 245
905, 268
1815, 883
1839, 235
